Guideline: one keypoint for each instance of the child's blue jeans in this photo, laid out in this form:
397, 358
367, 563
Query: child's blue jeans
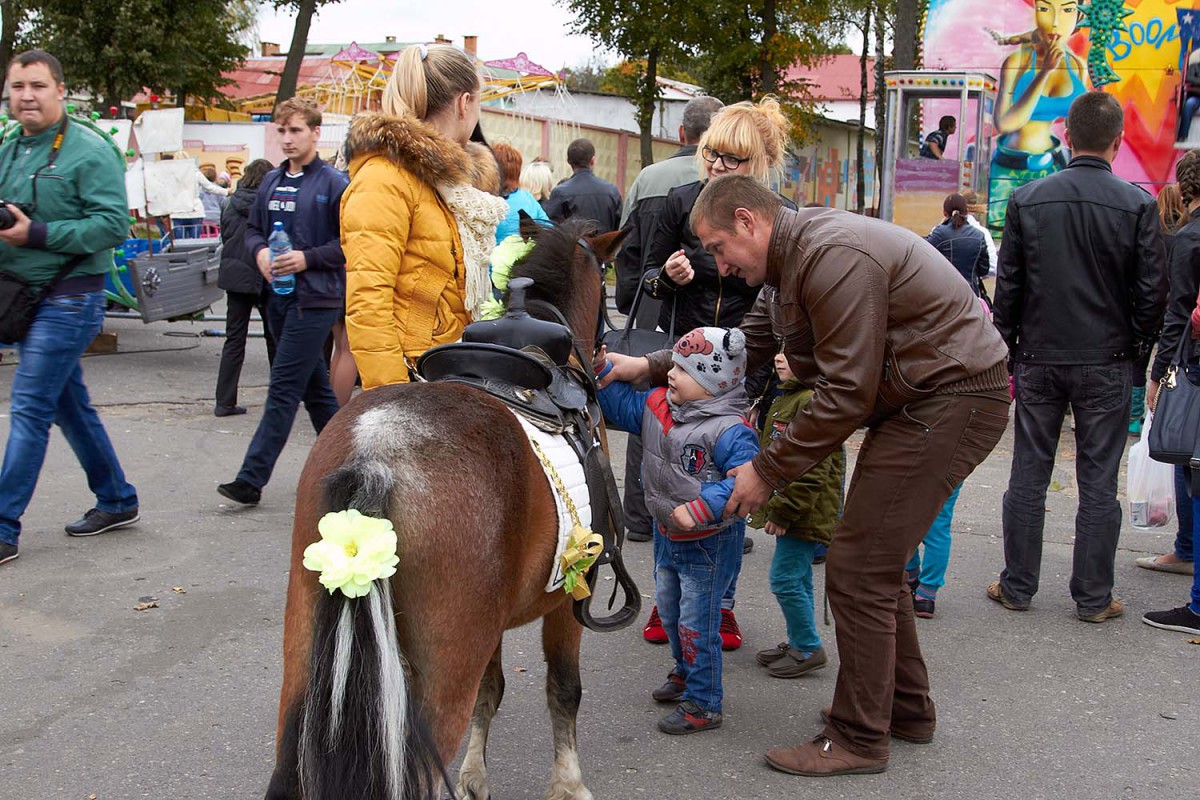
792, 585
932, 567
690, 579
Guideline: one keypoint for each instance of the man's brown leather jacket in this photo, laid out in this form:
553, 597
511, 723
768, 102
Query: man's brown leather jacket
873, 318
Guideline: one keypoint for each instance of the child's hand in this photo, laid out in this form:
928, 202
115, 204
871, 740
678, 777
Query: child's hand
774, 529
681, 520
600, 359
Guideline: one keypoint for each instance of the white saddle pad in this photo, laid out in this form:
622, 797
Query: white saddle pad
570, 472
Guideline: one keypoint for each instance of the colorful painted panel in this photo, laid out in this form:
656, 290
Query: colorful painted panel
1048, 52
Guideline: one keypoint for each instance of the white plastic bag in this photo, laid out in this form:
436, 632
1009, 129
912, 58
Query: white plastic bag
1151, 485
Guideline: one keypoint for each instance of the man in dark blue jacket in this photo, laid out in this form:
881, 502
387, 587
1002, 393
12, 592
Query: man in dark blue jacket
303, 193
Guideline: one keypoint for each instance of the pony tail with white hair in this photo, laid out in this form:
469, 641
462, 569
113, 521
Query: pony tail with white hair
360, 735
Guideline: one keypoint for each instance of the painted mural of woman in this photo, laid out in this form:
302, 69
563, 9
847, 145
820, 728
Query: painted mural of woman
1038, 83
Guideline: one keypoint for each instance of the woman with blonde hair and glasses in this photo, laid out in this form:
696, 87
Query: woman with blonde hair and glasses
417, 225
742, 139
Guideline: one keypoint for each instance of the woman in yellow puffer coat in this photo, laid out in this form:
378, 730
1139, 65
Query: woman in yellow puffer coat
417, 229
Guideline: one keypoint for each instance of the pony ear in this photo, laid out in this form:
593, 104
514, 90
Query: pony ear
606, 245
528, 226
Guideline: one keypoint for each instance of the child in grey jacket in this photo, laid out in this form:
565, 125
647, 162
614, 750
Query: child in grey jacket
693, 431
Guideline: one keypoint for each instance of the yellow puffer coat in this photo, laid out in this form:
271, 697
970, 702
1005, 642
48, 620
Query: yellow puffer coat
405, 278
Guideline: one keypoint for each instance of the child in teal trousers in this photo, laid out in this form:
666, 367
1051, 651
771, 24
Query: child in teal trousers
801, 518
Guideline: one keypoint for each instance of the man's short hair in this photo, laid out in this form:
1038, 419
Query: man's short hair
697, 114
40, 57
1095, 121
297, 106
947, 122
722, 196
580, 153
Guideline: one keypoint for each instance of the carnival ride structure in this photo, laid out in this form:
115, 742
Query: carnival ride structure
356, 77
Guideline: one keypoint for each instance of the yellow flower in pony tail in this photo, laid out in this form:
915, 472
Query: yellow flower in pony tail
354, 551
583, 548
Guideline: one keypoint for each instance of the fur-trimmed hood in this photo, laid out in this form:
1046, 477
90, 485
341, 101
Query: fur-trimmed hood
422, 150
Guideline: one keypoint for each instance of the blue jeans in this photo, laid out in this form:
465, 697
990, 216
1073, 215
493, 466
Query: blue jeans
1184, 548
690, 580
47, 390
932, 568
299, 373
792, 585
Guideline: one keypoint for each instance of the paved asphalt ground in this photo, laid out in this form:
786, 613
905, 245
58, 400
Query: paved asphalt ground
178, 701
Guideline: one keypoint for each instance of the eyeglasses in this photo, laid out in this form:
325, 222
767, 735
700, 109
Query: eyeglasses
728, 160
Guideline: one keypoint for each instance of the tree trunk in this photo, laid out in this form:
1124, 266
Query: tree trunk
880, 94
904, 50
12, 14
860, 180
766, 69
646, 100
291, 68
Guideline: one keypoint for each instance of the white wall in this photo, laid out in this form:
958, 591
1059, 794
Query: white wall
259, 138
603, 110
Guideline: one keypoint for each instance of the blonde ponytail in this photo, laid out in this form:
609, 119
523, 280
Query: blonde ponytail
425, 80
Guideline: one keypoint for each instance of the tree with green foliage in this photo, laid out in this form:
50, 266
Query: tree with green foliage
750, 46
647, 33
117, 48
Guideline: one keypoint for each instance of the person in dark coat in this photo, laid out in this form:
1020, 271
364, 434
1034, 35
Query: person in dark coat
963, 245
243, 285
584, 195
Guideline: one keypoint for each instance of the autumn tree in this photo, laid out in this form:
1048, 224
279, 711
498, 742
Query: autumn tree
647, 33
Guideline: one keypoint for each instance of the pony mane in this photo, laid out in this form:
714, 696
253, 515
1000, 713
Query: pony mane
554, 265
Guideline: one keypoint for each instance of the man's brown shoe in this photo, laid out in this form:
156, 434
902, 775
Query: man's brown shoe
994, 592
1114, 609
822, 758
910, 735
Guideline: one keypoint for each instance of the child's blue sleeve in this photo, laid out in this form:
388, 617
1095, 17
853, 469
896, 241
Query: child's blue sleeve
622, 404
737, 445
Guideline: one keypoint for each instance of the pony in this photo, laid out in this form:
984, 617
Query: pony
378, 692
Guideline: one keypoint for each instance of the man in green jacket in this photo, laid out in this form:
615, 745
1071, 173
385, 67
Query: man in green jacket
64, 187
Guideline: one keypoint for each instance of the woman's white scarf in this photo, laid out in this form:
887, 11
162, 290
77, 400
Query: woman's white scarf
477, 214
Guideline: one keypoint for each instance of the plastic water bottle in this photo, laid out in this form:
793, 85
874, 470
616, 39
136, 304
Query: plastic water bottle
279, 243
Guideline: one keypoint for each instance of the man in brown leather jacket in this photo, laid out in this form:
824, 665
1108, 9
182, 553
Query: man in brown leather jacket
890, 337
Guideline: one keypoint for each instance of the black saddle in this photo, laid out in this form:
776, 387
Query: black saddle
524, 363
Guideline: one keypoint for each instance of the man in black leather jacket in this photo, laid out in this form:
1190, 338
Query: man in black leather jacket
583, 195
1080, 288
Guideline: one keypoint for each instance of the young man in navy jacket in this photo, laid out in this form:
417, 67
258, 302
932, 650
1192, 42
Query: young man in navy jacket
303, 193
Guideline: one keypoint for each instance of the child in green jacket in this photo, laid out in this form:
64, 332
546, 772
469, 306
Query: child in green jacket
801, 518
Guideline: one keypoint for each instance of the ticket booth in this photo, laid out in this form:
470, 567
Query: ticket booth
913, 187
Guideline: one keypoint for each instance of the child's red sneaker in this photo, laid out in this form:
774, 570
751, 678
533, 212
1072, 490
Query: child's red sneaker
731, 634
689, 718
654, 632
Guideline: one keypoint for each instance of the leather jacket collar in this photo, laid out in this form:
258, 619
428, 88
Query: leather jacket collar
1090, 161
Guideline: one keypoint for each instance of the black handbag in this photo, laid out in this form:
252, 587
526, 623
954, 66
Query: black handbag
1175, 434
19, 301
631, 341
